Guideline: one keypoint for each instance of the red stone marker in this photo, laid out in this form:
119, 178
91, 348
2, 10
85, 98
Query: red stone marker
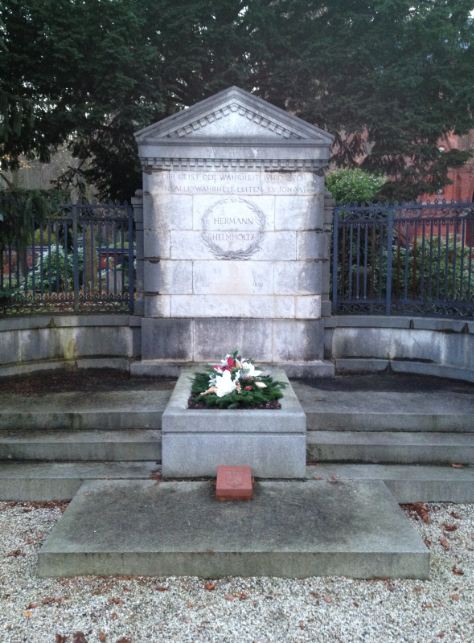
234, 483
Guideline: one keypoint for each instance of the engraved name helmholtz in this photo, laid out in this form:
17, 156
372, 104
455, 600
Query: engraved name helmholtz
233, 228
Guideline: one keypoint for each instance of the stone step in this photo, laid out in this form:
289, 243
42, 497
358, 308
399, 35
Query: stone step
57, 445
61, 480
409, 482
29, 481
383, 403
35, 481
328, 410
289, 529
411, 421
390, 447
106, 410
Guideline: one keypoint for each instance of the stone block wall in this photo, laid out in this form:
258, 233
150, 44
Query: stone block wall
261, 257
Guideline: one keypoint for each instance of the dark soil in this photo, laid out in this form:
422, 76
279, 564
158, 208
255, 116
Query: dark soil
84, 380
193, 404
395, 382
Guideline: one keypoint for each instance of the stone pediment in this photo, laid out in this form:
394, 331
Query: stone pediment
233, 114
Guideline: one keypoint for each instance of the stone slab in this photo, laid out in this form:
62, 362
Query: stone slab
77, 445
40, 481
30, 481
436, 370
106, 410
408, 483
385, 401
296, 529
196, 441
398, 447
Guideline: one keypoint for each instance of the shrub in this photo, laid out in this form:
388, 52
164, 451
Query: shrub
354, 186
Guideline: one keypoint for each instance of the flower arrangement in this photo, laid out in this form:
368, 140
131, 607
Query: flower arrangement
233, 384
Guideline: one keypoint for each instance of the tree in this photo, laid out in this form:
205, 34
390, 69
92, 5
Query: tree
388, 77
98, 70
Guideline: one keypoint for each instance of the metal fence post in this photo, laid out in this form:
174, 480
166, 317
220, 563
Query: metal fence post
335, 262
75, 257
131, 269
388, 291
137, 206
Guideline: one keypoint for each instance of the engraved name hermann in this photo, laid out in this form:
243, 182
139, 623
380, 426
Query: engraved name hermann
233, 228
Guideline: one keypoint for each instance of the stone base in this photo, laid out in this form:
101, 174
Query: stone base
289, 529
270, 341
158, 368
167, 368
196, 441
316, 368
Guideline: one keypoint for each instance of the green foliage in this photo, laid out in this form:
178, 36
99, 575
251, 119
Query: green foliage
53, 270
389, 78
22, 210
6, 294
437, 269
354, 185
235, 400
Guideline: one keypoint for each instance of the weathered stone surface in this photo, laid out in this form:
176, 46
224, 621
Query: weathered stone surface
297, 277
236, 277
40, 481
163, 339
296, 529
235, 187
408, 483
211, 338
196, 441
423, 350
157, 305
157, 244
80, 445
302, 338
312, 245
299, 212
263, 306
65, 342
277, 246
169, 277
391, 447
169, 212
308, 307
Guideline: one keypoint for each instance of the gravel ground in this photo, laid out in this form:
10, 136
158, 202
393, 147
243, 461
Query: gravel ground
237, 609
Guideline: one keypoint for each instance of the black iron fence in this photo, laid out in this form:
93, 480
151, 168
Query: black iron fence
79, 259
404, 259
386, 259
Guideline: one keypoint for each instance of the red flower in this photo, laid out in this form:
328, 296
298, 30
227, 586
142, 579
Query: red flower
249, 388
230, 362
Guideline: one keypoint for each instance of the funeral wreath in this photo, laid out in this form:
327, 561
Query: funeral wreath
235, 383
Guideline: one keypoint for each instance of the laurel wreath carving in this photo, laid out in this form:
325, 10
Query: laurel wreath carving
245, 253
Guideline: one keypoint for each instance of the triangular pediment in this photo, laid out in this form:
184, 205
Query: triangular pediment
236, 115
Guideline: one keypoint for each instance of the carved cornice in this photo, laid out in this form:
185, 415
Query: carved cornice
264, 122
161, 163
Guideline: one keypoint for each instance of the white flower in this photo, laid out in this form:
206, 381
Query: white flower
224, 384
249, 369
260, 385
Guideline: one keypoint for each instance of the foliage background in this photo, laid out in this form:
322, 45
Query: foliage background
388, 77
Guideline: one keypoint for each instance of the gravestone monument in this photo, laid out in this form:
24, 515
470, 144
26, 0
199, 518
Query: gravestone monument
233, 241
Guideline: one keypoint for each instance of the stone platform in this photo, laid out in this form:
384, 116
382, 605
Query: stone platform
196, 441
290, 529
